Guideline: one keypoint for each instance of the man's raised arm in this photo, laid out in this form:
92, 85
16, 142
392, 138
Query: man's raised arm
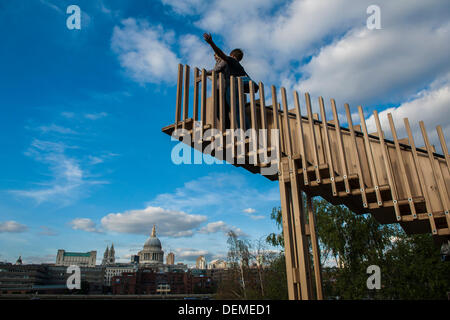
209, 40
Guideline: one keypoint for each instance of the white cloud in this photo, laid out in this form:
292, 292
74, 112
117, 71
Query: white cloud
95, 116
46, 231
57, 129
169, 222
190, 254
145, 51
84, 224
69, 179
249, 210
12, 227
218, 193
220, 226
184, 6
430, 106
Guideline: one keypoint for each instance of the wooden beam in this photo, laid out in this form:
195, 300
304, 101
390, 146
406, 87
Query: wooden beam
214, 96
362, 185
343, 161
443, 146
327, 146
262, 108
402, 167
437, 174
196, 89
419, 171
315, 247
254, 131
276, 125
203, 101
370, 159
387, 165
187, 71
301, 139
241, 104
179, 93
313, 137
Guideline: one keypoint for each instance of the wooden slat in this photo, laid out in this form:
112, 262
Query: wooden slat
387, 165
362, 185
179, 93
254, 122
262, 108
327, 146
287, 130
288, 240
233, 114
300, 138
214, 96
276, 126
196, 89
187, 72
422, 186
370, 159
203, 100
402, 167
343, 161
315, 247
443, 146
222, 103
313, 137
241, 104
437, 174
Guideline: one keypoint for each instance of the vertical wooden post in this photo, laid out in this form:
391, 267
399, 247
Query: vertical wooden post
368, 148
179, 94
298, 210
315, 247
402, 167
387, 165
276, 125
343, 161
327, 146
221, 103
419, 171
313, 137
301, 139
214, 96
262, 106
443, 146
358, 160
203, 101
186, 94
196, 87
254, 128
232, 114
241, 104
436, 174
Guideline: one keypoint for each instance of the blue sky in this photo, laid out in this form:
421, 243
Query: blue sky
84, 162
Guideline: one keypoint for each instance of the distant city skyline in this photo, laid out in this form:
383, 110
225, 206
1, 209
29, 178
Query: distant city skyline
83, 161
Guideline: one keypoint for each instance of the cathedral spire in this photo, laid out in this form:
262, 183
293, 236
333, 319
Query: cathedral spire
154, 231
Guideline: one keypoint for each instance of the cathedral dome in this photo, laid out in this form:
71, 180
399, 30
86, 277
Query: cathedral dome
152, 252
152, 242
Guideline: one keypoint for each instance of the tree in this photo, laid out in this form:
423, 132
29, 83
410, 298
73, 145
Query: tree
411, 267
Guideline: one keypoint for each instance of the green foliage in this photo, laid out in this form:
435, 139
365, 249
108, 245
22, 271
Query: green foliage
411, 267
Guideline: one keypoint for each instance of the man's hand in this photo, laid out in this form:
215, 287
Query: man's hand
207, 37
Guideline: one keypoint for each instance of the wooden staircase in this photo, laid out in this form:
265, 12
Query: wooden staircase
394, 180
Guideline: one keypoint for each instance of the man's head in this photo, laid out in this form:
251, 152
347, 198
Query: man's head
237, 54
